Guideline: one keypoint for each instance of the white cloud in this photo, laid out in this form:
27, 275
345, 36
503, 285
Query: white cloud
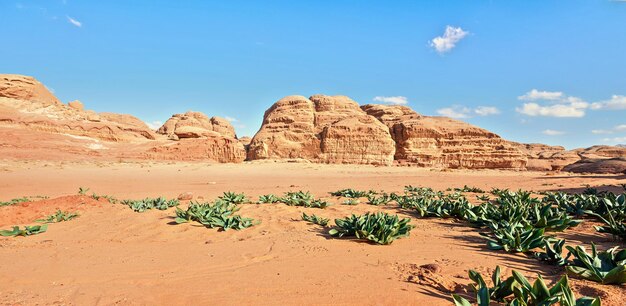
460, 112
535, 95
552, 132
615, 140
448, 41
400, 100
559, 104
601, 132
231, 119
486, 111
456, 112
74, 22
559, 110
615, 103
154, 125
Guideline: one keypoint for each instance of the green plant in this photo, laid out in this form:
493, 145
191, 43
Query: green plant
160, 203
14, 201
59, 216
552, 253
613, 226
469, 189
27, 231
607, 267
515, 237
351, 202
523, 292
82, 190
269, 198
380, 227
500, 290
551, 218
220, 214
300, 198
539, 294
384, 199
235, 198
315, 219
351, 193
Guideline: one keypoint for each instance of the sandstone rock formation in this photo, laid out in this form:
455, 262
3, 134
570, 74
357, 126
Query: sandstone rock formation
443, 142
328, 129
35, 123
27, 103
196, 125
543, 157
594, 165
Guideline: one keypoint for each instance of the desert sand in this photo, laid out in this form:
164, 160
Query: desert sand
112, 255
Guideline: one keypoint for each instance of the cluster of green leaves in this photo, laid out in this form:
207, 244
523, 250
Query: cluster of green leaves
607, 267
83, 190
350, 202
428, 203
381, 228
234, 198
14, 201
59, 216
553, 253
466, 188
220, 214
159, 203
351, 193
516, 290
383, 199
269, 198
315, 219
301, 198
27, 231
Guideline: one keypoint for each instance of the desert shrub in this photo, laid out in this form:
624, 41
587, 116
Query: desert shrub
301, 198
469, 189
220, 214
83, 190
516, 290
350, 202
383, 199
607, 267
27, 231
59, 216
553, 253
380, 227
315, 219
14, 201
514, 237
160, 203
269, 198
351, 193
233, 197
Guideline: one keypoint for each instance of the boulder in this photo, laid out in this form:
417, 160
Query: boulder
196, 125
327, 129
441, 142
77, 105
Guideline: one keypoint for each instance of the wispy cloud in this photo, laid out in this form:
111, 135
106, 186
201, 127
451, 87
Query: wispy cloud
231, 119
552, 132
74, 22
462, 112
535, 95
559, 104
448, 40
615, 140
617, 128
392, 100
615, 103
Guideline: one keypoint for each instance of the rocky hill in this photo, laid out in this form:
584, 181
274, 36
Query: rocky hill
34, 124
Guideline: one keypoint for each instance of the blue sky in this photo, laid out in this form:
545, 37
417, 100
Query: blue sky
532, 71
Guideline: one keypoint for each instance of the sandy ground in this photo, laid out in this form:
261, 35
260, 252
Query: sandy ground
112, 255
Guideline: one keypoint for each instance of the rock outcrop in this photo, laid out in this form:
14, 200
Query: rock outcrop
443, 142
26, 102
196, 125
603, 166
327, 129
39, 124
543, 157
